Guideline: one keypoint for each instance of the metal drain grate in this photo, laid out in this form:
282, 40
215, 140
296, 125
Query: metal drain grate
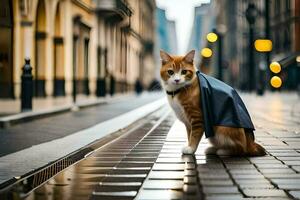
26, 184
50, 171
24, 187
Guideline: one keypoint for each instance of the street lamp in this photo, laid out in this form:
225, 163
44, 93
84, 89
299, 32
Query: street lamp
206, 52
298, 59
220, 31
275, 67
251, 14
262, 46
275, 81
212, 37
298, 74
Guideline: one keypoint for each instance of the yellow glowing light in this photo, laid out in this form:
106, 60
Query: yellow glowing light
206, 52
275, 67
298, 59
276, 82
263, 45
212, 37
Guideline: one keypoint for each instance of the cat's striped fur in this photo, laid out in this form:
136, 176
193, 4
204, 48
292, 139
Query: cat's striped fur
178, 73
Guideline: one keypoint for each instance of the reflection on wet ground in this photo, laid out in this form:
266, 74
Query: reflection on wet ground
173, 175
150, 166
115, 170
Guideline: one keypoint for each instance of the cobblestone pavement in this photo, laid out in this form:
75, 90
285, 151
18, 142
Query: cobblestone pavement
275, 176
149, 164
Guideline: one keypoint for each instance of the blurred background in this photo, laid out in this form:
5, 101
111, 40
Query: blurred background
97, 48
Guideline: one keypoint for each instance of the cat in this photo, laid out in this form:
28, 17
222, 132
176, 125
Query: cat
179, 79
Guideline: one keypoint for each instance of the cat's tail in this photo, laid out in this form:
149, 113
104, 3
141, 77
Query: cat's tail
254, 149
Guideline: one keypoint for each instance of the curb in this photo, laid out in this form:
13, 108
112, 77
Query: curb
50, 152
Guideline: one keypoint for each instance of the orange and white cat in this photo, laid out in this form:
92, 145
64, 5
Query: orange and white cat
180, 81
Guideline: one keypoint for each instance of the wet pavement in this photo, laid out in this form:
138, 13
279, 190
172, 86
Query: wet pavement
25, 135
115, 171
146, 162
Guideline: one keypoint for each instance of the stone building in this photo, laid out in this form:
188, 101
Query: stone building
203, 23
103, 45
166, 37
285, 34
284, 30
166, 33
239, 73
227, 19
126, 40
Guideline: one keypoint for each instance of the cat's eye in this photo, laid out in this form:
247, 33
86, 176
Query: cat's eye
170, 72
183, 72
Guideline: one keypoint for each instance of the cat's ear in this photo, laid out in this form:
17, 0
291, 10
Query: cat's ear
165, 57
189, 57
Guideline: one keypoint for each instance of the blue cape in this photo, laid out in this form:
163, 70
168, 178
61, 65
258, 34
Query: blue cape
221, 105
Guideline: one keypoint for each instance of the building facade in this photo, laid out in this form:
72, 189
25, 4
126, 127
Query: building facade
172, 36
202, 24
94, 47
285, 34
126, 42
282, 27
166, 32
166, 37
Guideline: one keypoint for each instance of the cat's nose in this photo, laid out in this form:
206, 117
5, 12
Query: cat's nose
177, 80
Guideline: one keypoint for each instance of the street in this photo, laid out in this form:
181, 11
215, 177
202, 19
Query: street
54, 127
90, 92
145, 162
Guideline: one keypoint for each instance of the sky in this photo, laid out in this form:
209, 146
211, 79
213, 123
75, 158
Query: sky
182, 11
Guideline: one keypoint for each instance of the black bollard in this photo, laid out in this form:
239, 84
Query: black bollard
138, 87
27, 86
101, 87
112, 85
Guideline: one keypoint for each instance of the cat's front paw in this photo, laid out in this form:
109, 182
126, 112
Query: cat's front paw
188, 150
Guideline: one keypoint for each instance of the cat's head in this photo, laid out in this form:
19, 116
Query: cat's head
177, 71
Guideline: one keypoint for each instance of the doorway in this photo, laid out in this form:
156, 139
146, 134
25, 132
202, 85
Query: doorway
6, 46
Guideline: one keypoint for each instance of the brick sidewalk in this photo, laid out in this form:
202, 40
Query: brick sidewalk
275, 176
173, 176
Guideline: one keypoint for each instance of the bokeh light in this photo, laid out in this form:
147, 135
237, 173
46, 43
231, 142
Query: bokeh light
275, 67
276, 82
212, 37
263, 45
206, 52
